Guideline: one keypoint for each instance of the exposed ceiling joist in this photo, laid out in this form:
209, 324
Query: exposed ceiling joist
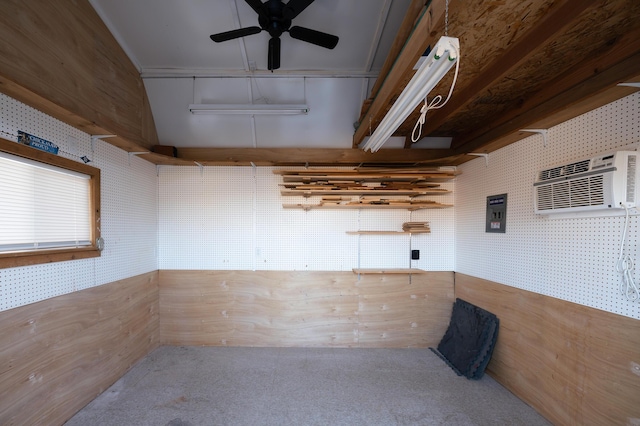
524, 65
384, 14
421, 37
416, 8
556, 20
592, 83
302, 156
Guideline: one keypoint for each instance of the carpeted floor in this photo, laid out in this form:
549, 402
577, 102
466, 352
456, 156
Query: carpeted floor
181, 386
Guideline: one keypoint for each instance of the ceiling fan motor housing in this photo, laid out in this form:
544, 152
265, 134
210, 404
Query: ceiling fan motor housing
275, 23
275, 17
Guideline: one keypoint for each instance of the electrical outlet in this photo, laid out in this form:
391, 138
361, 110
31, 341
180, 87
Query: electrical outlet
415, 254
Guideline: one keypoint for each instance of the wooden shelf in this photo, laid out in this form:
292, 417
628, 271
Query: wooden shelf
389, 271
369, 175
367, 206
386, 232
376, 188
365, 192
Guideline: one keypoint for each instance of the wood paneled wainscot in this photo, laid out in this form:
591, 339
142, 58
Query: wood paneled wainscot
58, 354
573, 364
304, 309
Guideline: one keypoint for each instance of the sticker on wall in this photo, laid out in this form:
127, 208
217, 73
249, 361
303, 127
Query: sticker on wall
36, 142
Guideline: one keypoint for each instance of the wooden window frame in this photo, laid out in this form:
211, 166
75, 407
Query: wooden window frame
35, 257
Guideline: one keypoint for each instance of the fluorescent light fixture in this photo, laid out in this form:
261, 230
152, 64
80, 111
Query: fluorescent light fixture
248, 109
443, 56
630, 84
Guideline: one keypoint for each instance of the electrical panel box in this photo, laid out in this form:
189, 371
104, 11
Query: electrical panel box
496, 213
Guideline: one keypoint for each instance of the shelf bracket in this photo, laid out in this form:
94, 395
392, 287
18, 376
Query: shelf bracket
542, 132
630, 84
481, 154
131, 154
201, 167
94, 138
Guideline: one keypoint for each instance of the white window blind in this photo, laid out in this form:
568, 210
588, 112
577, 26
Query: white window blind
42, 206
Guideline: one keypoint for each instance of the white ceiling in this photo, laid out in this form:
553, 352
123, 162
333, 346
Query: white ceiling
169, 42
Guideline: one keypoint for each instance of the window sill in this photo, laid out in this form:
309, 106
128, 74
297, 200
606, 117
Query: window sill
12, 260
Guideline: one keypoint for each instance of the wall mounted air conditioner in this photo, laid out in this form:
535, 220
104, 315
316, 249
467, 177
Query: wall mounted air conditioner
604, 182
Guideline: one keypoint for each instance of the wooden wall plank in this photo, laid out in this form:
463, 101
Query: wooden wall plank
572, 363
60, 58
325, 309
58, 354
398, 310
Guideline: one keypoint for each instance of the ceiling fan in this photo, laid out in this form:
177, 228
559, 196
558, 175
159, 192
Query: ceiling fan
274, 16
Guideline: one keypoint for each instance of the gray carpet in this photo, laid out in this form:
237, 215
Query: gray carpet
189, 386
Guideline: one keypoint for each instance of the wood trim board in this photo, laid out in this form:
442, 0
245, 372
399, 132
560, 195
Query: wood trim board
303, 308
572, 363
59, 354
60, 57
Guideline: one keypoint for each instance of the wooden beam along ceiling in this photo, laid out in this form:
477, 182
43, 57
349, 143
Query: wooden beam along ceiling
558, 18
422, 36
592, 77
302, 156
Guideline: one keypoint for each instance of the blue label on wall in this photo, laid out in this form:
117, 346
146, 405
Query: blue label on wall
36, 142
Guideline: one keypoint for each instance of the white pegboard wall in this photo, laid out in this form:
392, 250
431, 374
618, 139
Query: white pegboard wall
128, 204
205, 218
300, 240
571, 259
129, 214
253, 231
15, 116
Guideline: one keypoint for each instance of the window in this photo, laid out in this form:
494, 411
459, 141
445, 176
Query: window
49, 207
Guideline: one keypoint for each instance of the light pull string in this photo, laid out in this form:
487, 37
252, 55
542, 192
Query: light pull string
435, 103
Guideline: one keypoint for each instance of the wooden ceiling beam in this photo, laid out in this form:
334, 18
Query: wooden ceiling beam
422, 36
550, 26
587, 81
301, 156
408, 23
610, 95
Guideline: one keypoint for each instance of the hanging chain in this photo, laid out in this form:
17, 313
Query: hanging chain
446, 18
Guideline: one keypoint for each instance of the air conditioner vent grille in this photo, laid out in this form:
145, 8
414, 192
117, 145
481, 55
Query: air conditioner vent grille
631, 179
566, 170
587, 191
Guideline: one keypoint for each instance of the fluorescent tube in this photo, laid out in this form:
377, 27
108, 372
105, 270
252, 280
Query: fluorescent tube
248, 109
438, 63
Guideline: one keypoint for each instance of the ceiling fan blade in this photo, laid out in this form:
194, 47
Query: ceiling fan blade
257, 6
274, 53
295, 7
315, 37
230, 35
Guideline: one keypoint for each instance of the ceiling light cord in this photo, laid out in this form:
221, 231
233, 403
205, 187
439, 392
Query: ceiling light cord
435, 103
625, 265
446, 18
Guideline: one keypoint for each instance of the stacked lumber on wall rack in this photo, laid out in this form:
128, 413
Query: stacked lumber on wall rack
416, 227
374, 188
407, 228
